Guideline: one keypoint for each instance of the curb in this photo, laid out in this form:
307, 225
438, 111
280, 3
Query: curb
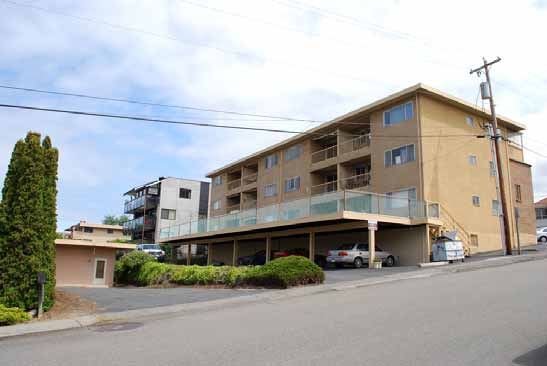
274, 295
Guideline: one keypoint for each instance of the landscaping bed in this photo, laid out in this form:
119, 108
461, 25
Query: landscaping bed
140, 269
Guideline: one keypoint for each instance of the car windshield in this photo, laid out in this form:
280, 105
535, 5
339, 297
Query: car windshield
151, 246
346, 246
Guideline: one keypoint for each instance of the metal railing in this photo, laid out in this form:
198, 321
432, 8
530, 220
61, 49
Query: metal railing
313, 206
136, 224
138, 202
233, 208
249, 179
355, 182
355, 144
234, 184
324, 188
328, 153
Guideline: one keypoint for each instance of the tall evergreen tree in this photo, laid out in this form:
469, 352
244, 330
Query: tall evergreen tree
27, 223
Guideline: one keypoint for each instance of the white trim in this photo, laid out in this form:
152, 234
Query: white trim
99, 281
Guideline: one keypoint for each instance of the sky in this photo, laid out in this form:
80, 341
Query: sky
300, 59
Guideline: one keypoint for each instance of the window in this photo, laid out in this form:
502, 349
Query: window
153, 191
270, 161
292, 184
476, 201
495, 208
110, 231
167, 214
360, 170
88, 229
217, 180
399, 155
362, 247
270, 190
293, 152
185, 193
396, 115
474, 240
541, 213
469, 121
472, 160
518, 193
216, 205
493, 169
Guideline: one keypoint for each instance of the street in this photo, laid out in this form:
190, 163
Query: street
495, 316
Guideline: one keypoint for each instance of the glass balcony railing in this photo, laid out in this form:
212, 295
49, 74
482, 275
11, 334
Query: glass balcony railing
139, 202
136, 224
313, 206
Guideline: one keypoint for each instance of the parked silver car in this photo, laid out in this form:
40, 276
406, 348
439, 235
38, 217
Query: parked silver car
541, 234
356, 254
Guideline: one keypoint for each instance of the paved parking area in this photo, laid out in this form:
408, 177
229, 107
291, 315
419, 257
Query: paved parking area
336, 275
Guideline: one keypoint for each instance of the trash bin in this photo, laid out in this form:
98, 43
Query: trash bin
447, 249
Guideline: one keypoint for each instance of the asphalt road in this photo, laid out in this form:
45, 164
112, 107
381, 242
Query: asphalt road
495, 316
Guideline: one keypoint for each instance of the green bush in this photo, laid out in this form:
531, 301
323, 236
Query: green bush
9, 316
207, 275
284, 272
128, 268
153, 273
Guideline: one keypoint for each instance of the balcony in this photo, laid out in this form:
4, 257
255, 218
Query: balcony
139, 203
355, 182
234, 184
249, 179
355, 144
324, 188
136, 225
391, 209
324, 154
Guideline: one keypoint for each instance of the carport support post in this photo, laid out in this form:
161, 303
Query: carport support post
312, 246
268, 248
209, 254
189, 254
371, 245
234, 254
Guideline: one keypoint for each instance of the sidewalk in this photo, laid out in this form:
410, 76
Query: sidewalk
199, 307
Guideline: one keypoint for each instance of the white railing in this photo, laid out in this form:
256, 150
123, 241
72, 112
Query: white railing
356, 182
313, 206
328, 153
355, 144
324, 188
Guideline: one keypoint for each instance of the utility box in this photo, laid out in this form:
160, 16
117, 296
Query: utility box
447, 249
485, 90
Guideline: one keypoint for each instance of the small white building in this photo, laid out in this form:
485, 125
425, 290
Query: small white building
162, 203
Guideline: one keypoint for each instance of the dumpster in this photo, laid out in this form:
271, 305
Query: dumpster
447, 249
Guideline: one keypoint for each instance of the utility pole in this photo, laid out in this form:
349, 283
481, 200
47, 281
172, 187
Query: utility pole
487, 94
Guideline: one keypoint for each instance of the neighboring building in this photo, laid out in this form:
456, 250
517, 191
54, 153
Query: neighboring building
95, 232
86, 262
411, 161
541, 213
163, 203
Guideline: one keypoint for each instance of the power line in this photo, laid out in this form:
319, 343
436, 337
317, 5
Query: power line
197, 124
185, 42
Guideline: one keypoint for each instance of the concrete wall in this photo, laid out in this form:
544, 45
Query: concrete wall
75, 265
410, 244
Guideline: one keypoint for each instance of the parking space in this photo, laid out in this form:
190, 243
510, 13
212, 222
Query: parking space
337, 275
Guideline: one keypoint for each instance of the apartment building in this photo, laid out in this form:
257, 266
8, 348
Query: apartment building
95, 232
164, 202
415, 164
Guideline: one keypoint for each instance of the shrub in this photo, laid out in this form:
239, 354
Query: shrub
284, 272
153, 273
9, 316
128, 268
207, 275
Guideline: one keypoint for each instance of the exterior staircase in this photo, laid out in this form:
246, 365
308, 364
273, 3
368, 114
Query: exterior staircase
450, 224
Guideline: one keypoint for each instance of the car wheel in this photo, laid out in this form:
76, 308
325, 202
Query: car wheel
543, 239
358, 263
390, 261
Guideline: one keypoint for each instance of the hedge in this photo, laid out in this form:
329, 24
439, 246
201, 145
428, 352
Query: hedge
279, 273
9, 316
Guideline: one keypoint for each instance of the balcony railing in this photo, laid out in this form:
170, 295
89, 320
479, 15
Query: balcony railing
234, 184
233, 208
324, 188
248, 205
313, 206
136, 224
356, 182
328, 153
139, 202
249, 179
355, 144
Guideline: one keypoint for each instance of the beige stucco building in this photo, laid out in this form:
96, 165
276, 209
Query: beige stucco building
97, 232
417, 162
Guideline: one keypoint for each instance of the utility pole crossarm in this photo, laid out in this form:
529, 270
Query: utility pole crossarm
486, 65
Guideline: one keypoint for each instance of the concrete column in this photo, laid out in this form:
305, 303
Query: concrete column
268, 248
371, 245
189, 254
312, 246
209, 254
234, 254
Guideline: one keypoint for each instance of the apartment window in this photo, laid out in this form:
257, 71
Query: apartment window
167, 214
469, 121
270, 161
396, 115
270, 190
153, 191
217, 180
518, 193
292, 184
110, 231
476, 201
399, 155
185, 193
216, 205
474, 240
472, 160
493, 169
88, 229
293, 152
495, 208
